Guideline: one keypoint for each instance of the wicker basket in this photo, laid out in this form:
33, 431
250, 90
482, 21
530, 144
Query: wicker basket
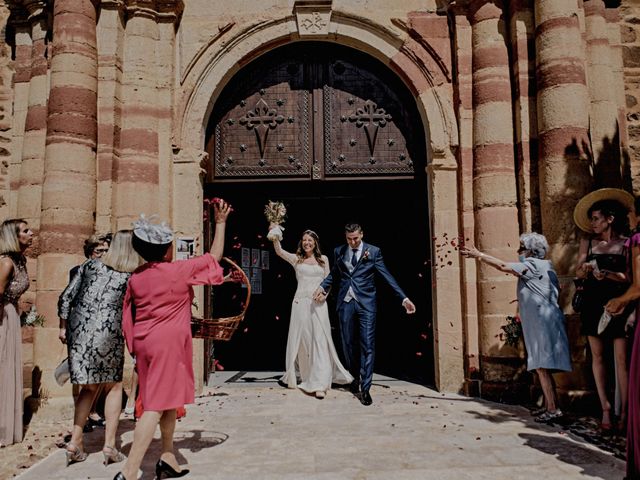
222, 328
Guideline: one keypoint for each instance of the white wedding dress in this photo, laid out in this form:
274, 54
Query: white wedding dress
311, 355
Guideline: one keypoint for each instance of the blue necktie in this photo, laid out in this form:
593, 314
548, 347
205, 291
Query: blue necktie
354, 257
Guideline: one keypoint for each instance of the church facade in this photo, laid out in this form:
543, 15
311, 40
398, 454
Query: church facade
509, 111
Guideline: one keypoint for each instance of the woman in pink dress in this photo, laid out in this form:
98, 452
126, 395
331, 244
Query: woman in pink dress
156, 322
615, 307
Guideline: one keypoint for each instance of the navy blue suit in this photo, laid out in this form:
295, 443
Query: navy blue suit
362, 282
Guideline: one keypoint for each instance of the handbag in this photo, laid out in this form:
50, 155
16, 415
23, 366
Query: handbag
61, 372
578, 297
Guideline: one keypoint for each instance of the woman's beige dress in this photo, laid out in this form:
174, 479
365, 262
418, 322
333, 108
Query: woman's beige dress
11, 357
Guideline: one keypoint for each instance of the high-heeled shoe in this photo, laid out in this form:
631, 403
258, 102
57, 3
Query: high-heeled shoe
119, 476
74, 454
164, 470
112, 455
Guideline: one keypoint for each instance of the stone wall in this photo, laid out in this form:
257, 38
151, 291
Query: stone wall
630, 39
6, 116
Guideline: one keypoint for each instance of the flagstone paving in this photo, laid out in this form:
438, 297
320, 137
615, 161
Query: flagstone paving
246, 426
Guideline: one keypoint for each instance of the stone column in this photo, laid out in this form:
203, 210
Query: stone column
69, 189
137, 172
110, 41
603, 111
7, 148
21, 79
461, 32
521, 29
563, 122
35, 131
494, 190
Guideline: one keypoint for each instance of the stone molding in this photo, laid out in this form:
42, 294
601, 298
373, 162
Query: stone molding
168, 11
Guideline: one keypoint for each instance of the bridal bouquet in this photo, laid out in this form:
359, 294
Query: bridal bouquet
275, 213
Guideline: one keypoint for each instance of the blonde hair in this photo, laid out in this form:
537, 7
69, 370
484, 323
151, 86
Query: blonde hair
121, 255
9, 231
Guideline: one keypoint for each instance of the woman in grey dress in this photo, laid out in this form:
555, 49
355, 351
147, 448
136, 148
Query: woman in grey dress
545, 336
15, 238
90, 311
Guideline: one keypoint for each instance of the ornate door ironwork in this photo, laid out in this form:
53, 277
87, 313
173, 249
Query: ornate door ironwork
314, 111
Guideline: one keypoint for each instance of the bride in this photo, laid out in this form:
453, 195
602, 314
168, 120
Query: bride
310, 350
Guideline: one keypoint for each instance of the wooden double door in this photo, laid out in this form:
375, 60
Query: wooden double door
313, 111
336, 136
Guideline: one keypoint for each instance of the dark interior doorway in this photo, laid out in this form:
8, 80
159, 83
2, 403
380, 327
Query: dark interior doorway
394, 216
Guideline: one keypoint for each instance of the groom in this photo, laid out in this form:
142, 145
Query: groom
354, 266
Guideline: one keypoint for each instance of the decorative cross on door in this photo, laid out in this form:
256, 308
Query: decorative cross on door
371, 118
261, 120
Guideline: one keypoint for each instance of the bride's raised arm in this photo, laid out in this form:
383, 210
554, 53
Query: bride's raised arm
282, 253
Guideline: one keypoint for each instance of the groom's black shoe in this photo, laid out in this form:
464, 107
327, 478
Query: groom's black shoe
365, 398
354, 387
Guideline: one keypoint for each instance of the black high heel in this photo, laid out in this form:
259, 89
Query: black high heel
164, 470
119, 476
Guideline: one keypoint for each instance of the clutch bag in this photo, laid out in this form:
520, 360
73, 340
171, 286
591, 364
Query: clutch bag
61, 372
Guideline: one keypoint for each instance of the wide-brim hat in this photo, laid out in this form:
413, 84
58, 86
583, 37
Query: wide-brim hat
580, 213
150, 230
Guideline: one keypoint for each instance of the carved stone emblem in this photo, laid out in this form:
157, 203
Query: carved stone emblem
313, 17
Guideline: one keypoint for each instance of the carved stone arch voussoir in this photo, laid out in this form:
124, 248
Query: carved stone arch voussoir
205, 76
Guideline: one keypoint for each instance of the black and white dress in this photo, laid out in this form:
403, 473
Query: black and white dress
92, 306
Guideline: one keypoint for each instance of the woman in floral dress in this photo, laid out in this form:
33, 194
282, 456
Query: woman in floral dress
90, 311
15, 238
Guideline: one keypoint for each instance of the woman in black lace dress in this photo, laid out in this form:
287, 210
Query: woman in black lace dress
90, 311
602, 263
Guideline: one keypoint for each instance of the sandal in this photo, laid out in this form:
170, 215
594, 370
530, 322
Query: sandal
74, 454
112, 455
549, 417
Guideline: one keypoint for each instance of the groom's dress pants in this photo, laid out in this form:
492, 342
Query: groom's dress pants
358, 329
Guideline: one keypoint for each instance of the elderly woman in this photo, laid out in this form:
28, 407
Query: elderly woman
15, 238
157, 328
542, 320
90, 311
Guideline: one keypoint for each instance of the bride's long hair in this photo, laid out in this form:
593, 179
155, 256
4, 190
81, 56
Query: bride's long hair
316, 248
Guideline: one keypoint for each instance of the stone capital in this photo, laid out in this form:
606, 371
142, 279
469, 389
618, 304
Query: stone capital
198, 158
312, 17
158, 10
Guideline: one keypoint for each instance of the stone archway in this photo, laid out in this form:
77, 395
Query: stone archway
218, 61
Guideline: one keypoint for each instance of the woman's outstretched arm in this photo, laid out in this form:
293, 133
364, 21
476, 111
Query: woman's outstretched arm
473, 252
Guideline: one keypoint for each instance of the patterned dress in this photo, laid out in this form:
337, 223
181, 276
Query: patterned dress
92, 306
11, 356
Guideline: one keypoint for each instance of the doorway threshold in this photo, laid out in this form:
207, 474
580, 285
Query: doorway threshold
269, 379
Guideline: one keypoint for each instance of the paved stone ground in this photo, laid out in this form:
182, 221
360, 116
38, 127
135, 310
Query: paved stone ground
249, 427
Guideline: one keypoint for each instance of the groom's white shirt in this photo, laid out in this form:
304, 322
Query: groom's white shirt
347, 262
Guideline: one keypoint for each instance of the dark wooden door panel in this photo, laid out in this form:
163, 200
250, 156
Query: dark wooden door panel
367, 123
314, 111
262, 127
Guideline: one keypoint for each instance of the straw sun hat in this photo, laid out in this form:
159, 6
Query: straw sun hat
580, 213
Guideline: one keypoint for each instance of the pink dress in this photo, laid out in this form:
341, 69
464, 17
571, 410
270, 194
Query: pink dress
156, 321
633, 414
